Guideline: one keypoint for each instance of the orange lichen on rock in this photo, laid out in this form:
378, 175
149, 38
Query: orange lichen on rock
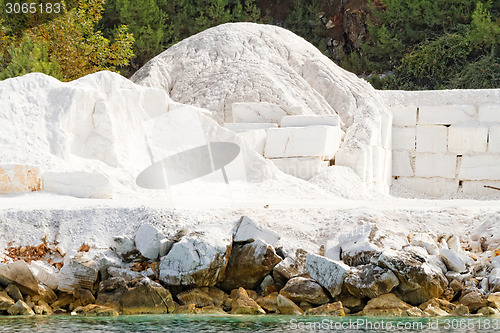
29, 253
19, 178
497, 252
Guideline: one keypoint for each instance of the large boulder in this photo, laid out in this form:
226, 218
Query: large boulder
249, 264
5, 301
494, 280
20, 309
78, 271
95, 310
386, 305
452, 260
20, 273
287, 307
146, 296
301, 289
244, 304
328, 273
147, 241
247, 230
419, 281
331, 309
358, 245
290, 267
370, 281
198, 259
195, 296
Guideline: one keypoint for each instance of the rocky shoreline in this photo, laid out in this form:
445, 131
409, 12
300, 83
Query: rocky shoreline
239, 268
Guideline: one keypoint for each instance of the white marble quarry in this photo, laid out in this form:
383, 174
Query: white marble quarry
401, 164
463, 139
435, 165
403, 138
239, 127
256, 139
310, 120
404, 115
80, 184
476, 187
361, 161
257, 113
435, 187
480, 166
494, 139
301, 167
431, 139
321, 141
446, 114
489, 113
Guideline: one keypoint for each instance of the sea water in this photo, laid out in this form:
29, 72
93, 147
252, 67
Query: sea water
268, 323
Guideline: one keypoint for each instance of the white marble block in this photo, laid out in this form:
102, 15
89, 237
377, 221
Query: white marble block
386, 129
301, 167
321, 141
257, 113
435, 165
310, 120
256, 139
404, 115
489, 113
238, 127
434, 187
403, 138
494, 139
432, 139
446, 114
401, 164
478, 167
476, 187
465, 139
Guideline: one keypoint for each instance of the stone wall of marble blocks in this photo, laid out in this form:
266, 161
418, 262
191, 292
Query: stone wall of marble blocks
446, 142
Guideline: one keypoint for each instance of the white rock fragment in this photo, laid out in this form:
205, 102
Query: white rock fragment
247, 230
425, 240
357, 244
243, 127
123, 245
78, 271
44, 273
165, 246
19, 272
494, 280
199, 258
464, 139
328, 273
147, 240
81, 184
452, 260
256, 139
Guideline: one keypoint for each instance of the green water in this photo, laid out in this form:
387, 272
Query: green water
220, 324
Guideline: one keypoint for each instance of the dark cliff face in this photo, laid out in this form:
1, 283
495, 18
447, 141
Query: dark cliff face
341, 22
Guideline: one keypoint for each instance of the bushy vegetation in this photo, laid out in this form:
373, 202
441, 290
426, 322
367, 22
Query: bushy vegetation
410, 44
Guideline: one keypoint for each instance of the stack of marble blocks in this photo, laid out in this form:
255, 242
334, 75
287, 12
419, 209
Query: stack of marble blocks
440, 150
300, 145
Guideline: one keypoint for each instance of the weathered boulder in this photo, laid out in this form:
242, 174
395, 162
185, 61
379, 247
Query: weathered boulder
95, 310
494, 280
147, 241
219, 298
331, 309
83, 297
494, 300
64, 302
290, 267
44, 273
14, 292
301, 289
328, 273
195, 296
110, 292
146, 296
78, 271
20, 273
370, 281
249, 264
425, 241
460, 310
358, 245
288, 307
452, 260
415, 312
20, 309
185, 309
198, 259
211, 309
248, 230
269, 302
5, 301
487, 311
474, 300
124, 246
386, 305
243, 304
418, 280
433, 311
43, 308
438, 304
